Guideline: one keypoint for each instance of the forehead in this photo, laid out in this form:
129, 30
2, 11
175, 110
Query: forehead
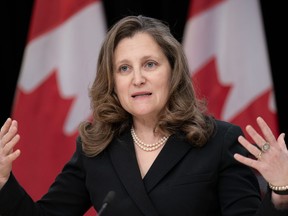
137, 45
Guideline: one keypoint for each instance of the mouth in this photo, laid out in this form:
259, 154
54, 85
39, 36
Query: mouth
141, 94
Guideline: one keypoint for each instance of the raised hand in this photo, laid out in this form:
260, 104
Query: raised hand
8, 138
271, 154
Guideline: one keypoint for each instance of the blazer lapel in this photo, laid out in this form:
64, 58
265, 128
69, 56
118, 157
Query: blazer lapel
123, 157
173, 151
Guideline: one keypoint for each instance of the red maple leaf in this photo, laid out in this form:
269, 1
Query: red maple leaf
258, 107
207, 86
45, 147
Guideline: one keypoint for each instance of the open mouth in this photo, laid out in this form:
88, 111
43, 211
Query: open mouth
141, 94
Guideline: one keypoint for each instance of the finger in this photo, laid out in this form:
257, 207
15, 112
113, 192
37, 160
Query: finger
5, 127
281, 141
13, 156
8, 148
258, 139
266, 131
247, 145
247, 161
9, 135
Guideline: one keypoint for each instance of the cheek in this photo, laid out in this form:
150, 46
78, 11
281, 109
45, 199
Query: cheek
120, 90
164, 84
117, 85
165, 87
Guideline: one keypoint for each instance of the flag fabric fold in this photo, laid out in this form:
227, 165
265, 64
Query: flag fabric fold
51, 99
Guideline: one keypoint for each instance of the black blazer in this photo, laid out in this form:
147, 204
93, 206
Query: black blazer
183, 180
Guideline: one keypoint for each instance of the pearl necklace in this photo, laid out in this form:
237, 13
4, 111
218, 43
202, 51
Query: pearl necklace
147, 147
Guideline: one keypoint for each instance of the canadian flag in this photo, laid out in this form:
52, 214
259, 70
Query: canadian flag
58, 67
226, 50
225, 45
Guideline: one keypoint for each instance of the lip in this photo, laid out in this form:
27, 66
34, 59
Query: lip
141, 94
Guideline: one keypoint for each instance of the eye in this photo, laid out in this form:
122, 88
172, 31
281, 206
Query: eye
123, 68
150, 64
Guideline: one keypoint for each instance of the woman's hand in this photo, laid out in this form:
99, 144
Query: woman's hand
271, 157
8, 139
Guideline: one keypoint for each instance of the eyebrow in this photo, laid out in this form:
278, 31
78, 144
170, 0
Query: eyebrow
142, 58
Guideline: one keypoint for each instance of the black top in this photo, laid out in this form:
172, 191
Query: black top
183, 180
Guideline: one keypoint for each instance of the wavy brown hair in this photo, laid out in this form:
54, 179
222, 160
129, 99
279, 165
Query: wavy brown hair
183, 111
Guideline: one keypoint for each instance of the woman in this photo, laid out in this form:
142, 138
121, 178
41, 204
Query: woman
152, 143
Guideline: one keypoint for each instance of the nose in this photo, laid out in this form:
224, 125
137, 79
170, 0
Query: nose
138, 78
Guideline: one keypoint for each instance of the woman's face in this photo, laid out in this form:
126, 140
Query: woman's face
142, 76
